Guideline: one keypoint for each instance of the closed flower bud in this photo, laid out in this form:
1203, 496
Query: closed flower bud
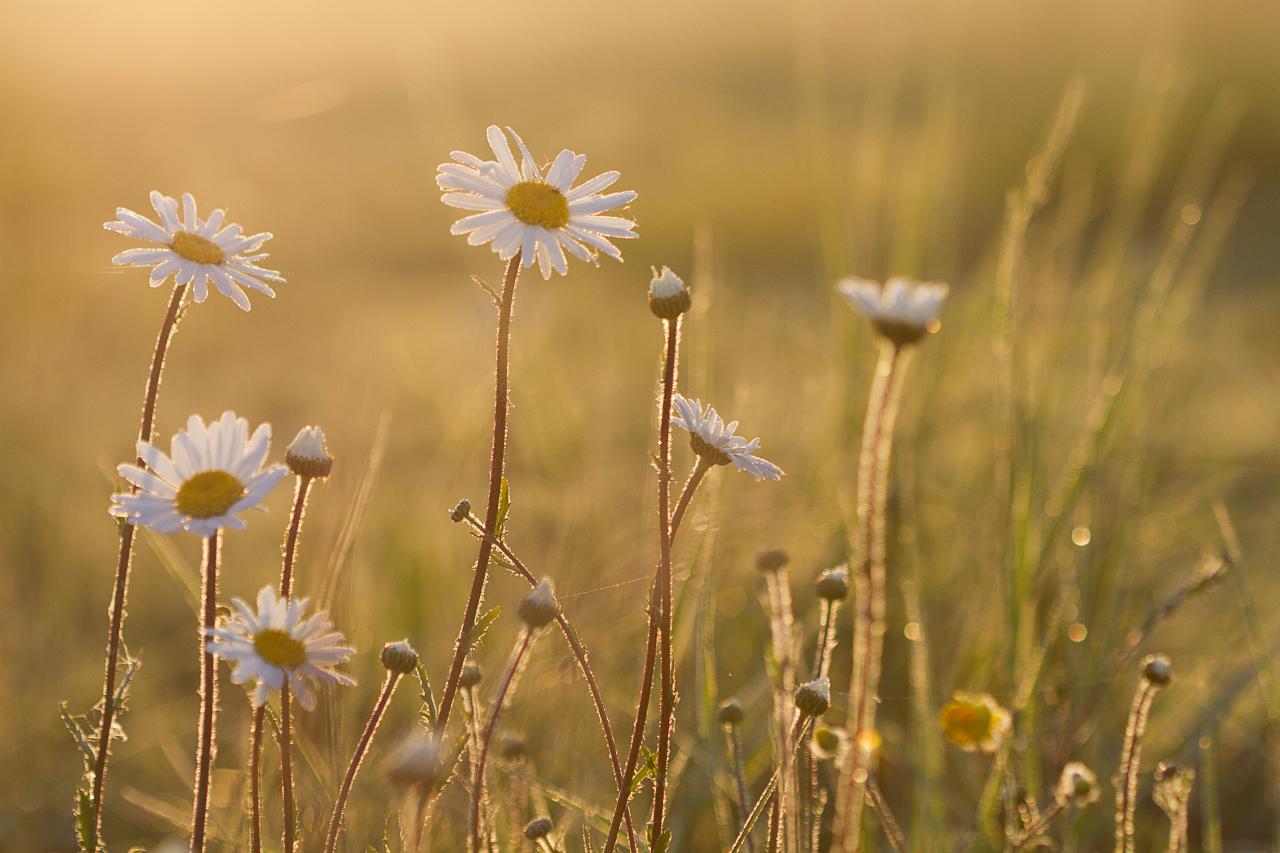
833, 584
772, 560
1157, 670
539, 607
307, 455
400, 657
539, 827
730, 712
1076, 786
814, 697
470, 675
461, 511
668, 296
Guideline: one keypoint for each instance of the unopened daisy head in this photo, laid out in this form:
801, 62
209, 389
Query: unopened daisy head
308, 455
668, 296
276, 643
1076, 786
195, 251
533, 210
714, 441
903, 310
211, 473
975, 722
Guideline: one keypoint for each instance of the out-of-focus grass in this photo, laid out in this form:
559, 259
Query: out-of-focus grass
801, 143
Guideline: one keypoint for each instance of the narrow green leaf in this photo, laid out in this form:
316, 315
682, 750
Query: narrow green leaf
504, 509
483, 624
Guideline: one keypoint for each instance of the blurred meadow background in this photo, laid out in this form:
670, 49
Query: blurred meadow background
1096, 423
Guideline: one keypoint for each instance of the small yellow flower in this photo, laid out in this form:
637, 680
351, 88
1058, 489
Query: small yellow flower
975, 722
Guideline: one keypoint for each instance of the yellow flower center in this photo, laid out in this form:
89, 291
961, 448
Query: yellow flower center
536, 203
279, 649
967, 723
209, 494
195, 248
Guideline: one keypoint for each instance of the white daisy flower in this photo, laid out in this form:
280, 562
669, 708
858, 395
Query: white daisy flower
277, 643
211, 473
540, 214
714, 440
903, 310
195, 250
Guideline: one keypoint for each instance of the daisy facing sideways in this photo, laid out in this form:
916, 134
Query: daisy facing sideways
903, 310
211, 473
276, 643
715, 443
531, 209
195, 251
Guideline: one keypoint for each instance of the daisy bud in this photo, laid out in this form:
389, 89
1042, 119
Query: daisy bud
399, 658
668, 296
539, 827
539, 607
730, 712
470, 676
1076, 786
416, 761
511, 747
1173, 788
833, 584
814, 697
1157, 670
772, 560
461, 511
307, 455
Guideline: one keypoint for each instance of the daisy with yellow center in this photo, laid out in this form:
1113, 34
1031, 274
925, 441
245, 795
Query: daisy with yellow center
538, 213
975, 722
195, 251
211, 473
276, 643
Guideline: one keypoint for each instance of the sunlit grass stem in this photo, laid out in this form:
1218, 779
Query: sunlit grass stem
206, 723
514, 665
869, 563
781, 629
1130, 763
120, 591
497, 465
803, 725
357, 758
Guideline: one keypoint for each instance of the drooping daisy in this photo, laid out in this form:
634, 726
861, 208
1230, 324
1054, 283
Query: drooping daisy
278, 643
195, 250
714, 440
538, 213
975, 722
211, 473
903, 310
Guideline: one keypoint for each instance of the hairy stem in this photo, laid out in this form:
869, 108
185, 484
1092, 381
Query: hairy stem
739, 778
477, 781
1130, 760
120, 591
497, 464
207, 720
580, 655
869, 565
667, 698
357, 758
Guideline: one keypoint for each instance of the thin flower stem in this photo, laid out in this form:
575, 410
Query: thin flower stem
286, 767
869, 564
667, 698
781, 628
120, 592
207, 721
255, 777
1130, 761
497, 463
802, 726
699, 471
888, 823
302, 488
508, 678
357, 758
740, 784
580, 655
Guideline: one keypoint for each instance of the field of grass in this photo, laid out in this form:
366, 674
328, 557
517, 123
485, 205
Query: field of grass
1094, 427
